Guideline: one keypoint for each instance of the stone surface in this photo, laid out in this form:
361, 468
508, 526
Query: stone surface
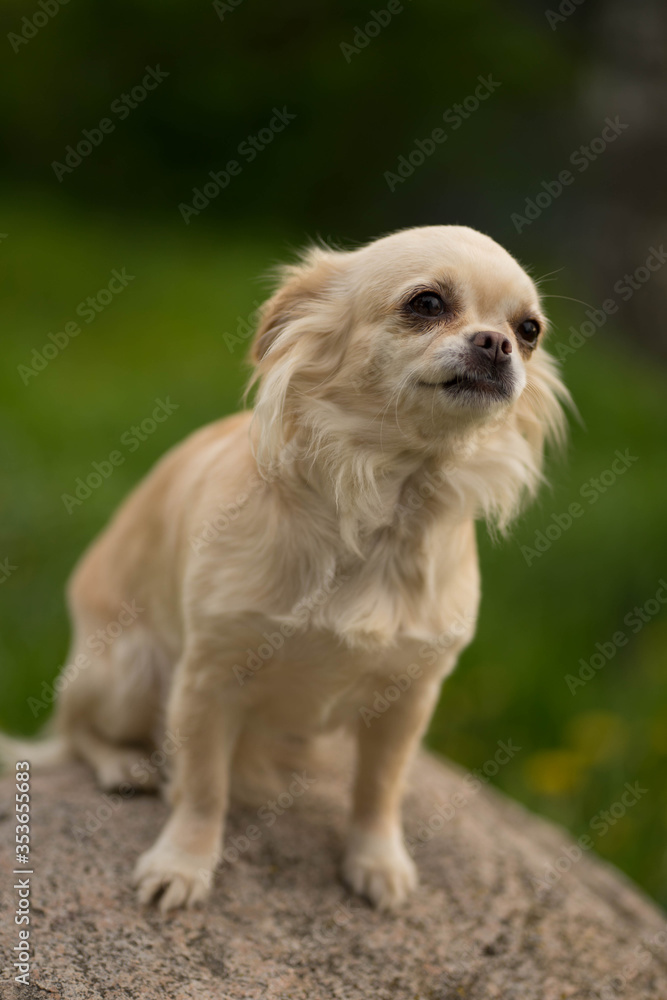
280, 926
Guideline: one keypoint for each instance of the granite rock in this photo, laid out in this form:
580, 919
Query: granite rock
281, 926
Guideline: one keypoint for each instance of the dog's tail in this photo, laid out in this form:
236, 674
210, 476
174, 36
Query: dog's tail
42, 753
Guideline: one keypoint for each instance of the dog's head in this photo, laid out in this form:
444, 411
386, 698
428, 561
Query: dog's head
402, 344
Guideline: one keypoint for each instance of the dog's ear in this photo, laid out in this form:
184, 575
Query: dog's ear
301, 286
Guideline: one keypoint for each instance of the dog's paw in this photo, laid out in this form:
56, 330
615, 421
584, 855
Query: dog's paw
379, 868
173, 878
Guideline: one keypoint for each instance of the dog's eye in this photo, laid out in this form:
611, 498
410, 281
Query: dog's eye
529, 330
427, 304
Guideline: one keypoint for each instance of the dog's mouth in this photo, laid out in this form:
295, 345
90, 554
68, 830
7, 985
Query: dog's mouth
490, 385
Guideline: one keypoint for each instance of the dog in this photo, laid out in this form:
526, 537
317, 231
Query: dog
289, 560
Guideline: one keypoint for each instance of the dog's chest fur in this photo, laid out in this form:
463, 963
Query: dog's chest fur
338, 625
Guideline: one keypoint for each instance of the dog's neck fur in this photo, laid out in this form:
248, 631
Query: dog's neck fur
379, 511
367, 488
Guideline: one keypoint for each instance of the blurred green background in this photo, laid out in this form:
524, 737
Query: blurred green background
356, 114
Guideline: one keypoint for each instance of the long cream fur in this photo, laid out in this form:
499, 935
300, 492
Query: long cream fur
332, 525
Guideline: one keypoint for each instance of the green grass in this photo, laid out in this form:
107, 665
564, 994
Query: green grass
162, 336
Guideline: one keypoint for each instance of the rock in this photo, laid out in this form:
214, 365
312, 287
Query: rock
280, 926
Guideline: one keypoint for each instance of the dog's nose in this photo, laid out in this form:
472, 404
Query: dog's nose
495, 346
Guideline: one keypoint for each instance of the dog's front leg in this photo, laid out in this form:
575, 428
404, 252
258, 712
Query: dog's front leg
377, 864
205, 717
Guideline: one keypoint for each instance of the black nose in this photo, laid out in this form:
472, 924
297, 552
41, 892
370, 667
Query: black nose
494, 346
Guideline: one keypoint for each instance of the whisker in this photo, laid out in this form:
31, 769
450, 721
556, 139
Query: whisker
569, 299
548, 275
382, 412
398, 396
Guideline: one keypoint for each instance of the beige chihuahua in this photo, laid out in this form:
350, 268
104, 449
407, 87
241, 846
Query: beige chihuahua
402, 391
